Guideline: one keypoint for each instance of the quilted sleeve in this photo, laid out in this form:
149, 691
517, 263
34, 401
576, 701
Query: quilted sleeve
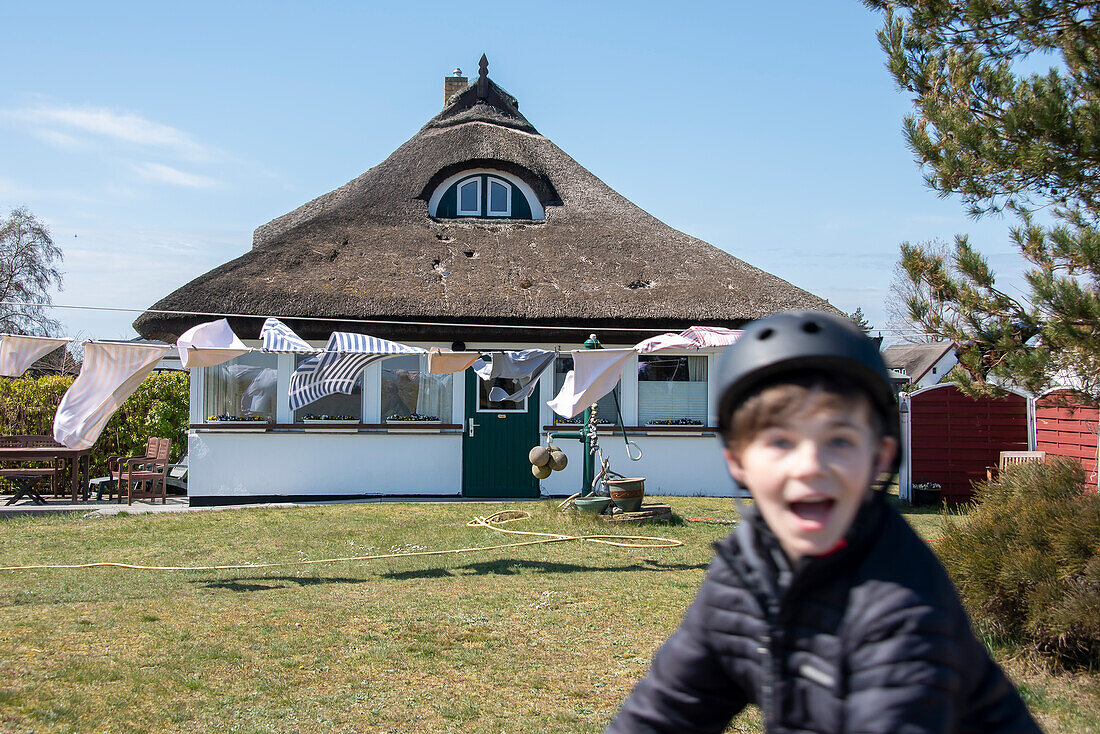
917, 668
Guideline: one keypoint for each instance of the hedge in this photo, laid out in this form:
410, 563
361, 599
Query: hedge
159, 407
1026, 560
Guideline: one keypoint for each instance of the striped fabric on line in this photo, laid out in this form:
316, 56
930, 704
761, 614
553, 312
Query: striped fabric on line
326, 374
278, 337
347, 342
339, 366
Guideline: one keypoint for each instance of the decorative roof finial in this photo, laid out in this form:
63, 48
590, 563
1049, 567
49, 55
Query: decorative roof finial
483, 78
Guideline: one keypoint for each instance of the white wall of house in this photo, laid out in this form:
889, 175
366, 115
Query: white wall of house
939, 370
230, 463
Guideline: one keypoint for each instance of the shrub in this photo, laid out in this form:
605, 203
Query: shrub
1026, 560
159, 407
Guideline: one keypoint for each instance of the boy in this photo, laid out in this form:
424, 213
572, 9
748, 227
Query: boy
823, 607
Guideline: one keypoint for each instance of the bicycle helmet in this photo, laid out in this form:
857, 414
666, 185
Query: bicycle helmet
804, 340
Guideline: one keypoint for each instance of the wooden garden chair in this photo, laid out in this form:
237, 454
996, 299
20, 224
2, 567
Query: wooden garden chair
142, 479
119, 465
1015, 458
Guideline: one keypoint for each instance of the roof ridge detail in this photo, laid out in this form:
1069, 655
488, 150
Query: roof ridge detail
482, 101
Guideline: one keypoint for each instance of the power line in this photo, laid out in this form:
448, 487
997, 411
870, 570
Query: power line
893, 331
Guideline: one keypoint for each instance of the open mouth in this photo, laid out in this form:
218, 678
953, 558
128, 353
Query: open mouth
813, 513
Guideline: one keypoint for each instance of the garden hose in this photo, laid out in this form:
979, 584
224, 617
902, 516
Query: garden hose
492, 522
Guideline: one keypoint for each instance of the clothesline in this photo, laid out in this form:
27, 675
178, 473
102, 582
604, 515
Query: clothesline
113, 370
333, 319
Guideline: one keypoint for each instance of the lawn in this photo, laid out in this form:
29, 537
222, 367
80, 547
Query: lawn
538, 638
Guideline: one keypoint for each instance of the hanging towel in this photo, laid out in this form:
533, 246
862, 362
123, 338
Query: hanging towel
442, 362
18, 352
346, 342
327, 374
110, 374
508, 364
277, 337
516, 365
594, 374
712, 336
694, 337
337, 368
209, 344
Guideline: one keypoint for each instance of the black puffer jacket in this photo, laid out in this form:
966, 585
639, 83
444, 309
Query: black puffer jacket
871, 638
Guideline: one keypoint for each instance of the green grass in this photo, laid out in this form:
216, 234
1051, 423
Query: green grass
540, 638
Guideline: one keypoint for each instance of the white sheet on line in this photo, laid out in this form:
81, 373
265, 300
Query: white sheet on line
595, 373
525, 366
19, 352
110, 374
209, 344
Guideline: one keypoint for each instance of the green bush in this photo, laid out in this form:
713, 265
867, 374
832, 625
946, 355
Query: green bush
159, 407
1026, 560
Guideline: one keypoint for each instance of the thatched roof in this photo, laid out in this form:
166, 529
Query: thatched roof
915, 359
369, 250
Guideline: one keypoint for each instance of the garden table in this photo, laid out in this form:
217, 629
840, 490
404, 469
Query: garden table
79, 459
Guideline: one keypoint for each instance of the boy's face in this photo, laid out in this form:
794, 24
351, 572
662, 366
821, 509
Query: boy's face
809, 473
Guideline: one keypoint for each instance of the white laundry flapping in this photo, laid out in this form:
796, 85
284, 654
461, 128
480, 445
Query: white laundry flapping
278, 337
209, 344
110, 374
595, 373
525, 366
694, 337
18, 352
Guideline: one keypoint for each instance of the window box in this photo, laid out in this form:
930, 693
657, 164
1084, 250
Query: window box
666, 428
238, 425
414, 423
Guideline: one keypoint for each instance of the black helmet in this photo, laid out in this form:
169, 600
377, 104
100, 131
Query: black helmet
803, 340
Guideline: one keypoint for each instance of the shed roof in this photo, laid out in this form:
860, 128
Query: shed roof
370, 250
915, 359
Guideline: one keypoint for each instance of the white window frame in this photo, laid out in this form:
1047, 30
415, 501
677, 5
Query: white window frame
476, 180
489, 181
538, 213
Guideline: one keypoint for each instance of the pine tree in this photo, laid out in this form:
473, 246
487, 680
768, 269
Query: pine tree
860, 319
1007, 141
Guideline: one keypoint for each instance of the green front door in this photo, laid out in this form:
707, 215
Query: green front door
496, 441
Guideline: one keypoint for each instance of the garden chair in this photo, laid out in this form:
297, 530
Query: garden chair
1015, 458
118, 465
177, 474
142, 479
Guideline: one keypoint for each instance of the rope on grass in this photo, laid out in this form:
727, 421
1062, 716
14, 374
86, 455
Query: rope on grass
711, 520
492, 522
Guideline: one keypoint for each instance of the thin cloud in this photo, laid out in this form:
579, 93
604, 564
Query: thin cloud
123, 127
174, 176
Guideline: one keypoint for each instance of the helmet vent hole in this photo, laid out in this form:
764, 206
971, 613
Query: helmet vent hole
811, 327
765, 334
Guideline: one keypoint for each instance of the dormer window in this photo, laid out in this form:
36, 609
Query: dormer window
500, 198
487, 194
469, 198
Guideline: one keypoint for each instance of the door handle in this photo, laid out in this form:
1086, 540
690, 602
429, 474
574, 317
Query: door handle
473, 426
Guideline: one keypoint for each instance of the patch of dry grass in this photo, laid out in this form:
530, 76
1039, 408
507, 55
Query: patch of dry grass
541, 638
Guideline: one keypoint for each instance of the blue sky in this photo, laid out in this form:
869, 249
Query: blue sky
154, 137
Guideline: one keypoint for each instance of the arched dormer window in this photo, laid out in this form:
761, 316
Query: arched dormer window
484, 194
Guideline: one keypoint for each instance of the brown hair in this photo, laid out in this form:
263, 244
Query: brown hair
781, 396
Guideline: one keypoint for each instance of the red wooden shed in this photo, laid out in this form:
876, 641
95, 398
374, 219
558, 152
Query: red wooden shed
953, 438
1066, 427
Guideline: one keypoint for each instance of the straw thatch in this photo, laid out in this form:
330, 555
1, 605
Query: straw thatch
369, 250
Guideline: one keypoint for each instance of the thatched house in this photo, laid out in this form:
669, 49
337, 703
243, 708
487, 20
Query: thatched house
478, 230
